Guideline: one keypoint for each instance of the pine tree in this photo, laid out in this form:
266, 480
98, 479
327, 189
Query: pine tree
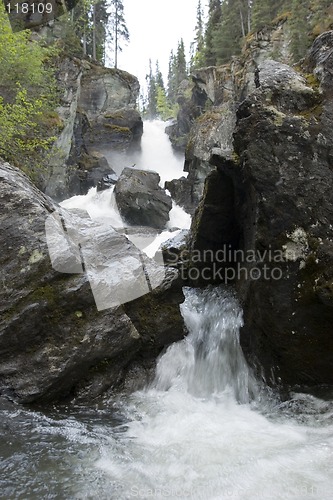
214, 18
228, 33
172, 78
323, 16
299, 28
198, 46
119, 28
181, 68
261, 13
152, 94
265, 11
159, 76
102, 33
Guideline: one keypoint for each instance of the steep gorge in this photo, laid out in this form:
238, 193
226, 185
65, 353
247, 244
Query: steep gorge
260, 173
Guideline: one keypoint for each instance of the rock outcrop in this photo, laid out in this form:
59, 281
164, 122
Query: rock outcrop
98, 110
140, 199
54, 343
266, 210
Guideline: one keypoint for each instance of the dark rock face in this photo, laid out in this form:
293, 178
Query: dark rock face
99, 113
118, 130
54, 343
191, 100
181, 192
140, 199
94, 167
284, 145
269, 196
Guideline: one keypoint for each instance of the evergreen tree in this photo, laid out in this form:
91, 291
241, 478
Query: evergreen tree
164, 108
198, 46
299, 28
214, 18
159, 76
172, 78
323, 16
228, 33
181, 69
265, 11
152, 94
102, 32
119, 28
261, 13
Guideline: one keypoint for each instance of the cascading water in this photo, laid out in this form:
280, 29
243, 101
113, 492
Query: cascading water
200, 430
209, 362
203, 429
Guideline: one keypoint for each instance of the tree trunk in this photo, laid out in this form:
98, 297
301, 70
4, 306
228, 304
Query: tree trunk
94, 34
242, 20
116, 38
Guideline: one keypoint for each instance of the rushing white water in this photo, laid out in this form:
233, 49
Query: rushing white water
189, 436
204, 429
156, 154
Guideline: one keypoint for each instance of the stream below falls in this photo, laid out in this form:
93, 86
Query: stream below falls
205, 428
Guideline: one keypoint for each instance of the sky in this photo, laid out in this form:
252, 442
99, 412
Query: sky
155, 27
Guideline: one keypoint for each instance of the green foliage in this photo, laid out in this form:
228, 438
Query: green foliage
158, 103
164, 109
323, 16
118, 27
228, 33
28, 96
198, 46
214, 18
299, 28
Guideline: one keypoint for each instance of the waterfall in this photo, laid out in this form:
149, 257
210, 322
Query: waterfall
201, 431
209, 362
204, 428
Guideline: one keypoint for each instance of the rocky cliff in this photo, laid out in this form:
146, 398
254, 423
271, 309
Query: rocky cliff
98, 111
260, 160
54, 342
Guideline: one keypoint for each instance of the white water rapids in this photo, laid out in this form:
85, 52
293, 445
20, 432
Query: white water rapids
205, 428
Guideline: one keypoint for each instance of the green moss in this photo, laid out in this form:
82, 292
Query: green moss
118, 129
46, 292
235, 157
114, 116
314, 112
312, 81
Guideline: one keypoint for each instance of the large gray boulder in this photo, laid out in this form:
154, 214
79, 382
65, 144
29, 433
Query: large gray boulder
67, 329
140, 199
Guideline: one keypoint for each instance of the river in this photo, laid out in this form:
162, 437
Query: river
205, 428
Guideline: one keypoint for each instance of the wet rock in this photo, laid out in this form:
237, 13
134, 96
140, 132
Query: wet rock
54, 342
140, 199
181, 193
269, 197
95, 171
176, 252
98, 110
191, 101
